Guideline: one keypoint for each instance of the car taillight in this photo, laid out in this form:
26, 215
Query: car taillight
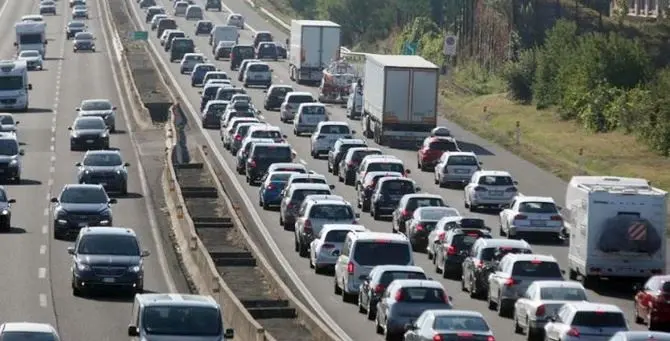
406, 213
238, 137
451, 250
511, 189
289, 206
556, 218
350, 268
479, 264
379, 289
399, 296
574, 332
252, 163
419, 227
520, 217
327, 246
510, 282
541, 310
441, 236
438, 337
307, 226
270, 187
480, 189
491, 338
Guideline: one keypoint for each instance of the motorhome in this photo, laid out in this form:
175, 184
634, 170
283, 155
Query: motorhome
14, 85
30, 35
617, 228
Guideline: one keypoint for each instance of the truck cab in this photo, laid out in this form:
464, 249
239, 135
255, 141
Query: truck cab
31, 35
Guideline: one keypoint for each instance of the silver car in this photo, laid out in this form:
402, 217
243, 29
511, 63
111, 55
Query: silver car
105, 168
293, 196
28, 331
308, 117
100, 108
79, 12
445, 324
326, 248
48, 7
83, 41
577, 321
326, 134
374, 285
423, 221
228, 133
639, 335
33, 59
489, 188
455, 167
404, 301
8, 124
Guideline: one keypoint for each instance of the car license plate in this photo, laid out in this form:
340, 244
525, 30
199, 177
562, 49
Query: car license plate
462, 171
109, 280
258, 77
537, 222
496, 193
89, 141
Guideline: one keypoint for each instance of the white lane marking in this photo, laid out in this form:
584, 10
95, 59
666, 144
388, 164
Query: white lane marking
53, 157
46, 212
148, 202
50, 182
43, 249
42, 273
43, 300
45, 229
303, 162
4, 5
52, 169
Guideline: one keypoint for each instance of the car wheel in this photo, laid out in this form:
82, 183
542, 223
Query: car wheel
336, 288
75, 291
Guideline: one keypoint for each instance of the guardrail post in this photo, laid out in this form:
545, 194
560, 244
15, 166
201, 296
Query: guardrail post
171, 184
204, 149
215, 285
518, 133
580, 162
193, 243
180, 212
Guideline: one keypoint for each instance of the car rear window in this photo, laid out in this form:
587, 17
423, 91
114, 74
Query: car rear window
258, 68
496, 181
390, 276
414, 203
272, 152
299, 195
358, 155
466, 240
536, 269
244, 51
469, 323
460, 160
337, 236
386, 167
398, 186
301, 99
423, 295
371, 253
563, 294
182, 43
443, 145
596, 319
491, 253
334, 129
280, 177
331, 212
266, 134
537, 207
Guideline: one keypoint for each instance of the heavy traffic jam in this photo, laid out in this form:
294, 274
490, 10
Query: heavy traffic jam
615, 226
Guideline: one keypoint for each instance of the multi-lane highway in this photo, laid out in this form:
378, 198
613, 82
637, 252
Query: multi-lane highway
35, 267
532, 181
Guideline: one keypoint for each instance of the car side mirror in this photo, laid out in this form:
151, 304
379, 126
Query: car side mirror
11, 201
54, 200
112, 201
287, 41
409, 327
17, 123
560, 208
284, 136
200, 92
46, 42
145, 253
265, 91
30, 86
480, 163
331, 186
113, 108
451, 298
78, 164
77, 109
363, 277
407, 171
127, 164
22, 152
70, 250
133, 331
15, 44
562, 272
259, 112
515, 182
357, 215
418, 189
69, 128
229, 334
637, 287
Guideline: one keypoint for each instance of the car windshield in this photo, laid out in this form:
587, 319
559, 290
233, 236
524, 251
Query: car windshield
281, 177
7, 120
334, 129
111, 244
443, 145
8, 147
301, 99
89, 124
466, 240
462, 160
299, 195
399, 186
77, 25
84, 36
264, 36
258, 68
423, 295
102, 159
537, 207
390, 276
29, 54
83, 195
598, 319
436, 213
194, 59
469, 323
490, 180
272, 152
313, 110
280, 91
536, 269
182, 43
336, 236
563, 294
27, 336
382, 252
266, 134
331, 212
386, 167
181, 320
96, 105
414, 203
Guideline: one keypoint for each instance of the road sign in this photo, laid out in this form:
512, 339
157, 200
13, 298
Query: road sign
139, 35
450, 42
409, 48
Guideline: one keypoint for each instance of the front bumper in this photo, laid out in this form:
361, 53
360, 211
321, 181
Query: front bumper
34, 65
490, 202
92, 279
513, 230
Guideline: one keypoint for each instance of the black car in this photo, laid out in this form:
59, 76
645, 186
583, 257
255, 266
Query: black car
79, 206
74, 27
213, 4
5, 210
172, 36
274, 96
10, 157
388, 193
339, 150
107, 257
179, 47
261, 37
375, 284
240, 53
262, 155
455, 247
483, 260
282, 51
89, 132
208, 94
266, 51
147, 3
151, 11
83, 41
106, 168
203, 27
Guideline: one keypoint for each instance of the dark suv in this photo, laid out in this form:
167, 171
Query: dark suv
107, 257
213, 4
79, 206
388, 193
179, 47
262, 155
240, 53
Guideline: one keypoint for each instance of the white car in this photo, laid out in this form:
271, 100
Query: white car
236, 20
291, 103
33, 59
309, 178
531, 215
79, 12
326, 134
489, 188
324, 250
28, 330
455, 168
190, 60
585, 321
541, 301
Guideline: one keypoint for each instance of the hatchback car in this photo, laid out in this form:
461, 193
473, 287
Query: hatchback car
454, 247
33, 59
47, 7
274, 96
309, 115
10, 158
203, 27
532, 215
448, 324
489, 188
349, 164
423, 221
211, 115
194, 12
432, 149
292, 101
262, 155
5, 210
89, 132
79, 12
366, 189
326, 134
242, 154
199, 72
387, 194
273, 184
317, 211
408, 204
374, 286
99, 107
293, 196
190, 60
28, 331
584, 320
257, 74
180, 8
74, 27
236, 20
267, 50
223, 49
105, 168
327, 246
651, 302
455, 168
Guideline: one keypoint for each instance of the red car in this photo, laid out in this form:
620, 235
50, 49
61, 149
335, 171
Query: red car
652, 302
432, 149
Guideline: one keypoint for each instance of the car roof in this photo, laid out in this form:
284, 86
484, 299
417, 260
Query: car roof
529, 257
643, 335
309, 185
451, 312
273, 144
342, 227
28, 327
274, 172
288, 164
426, 283
558, 284
371, 235
382, 173
592, 306
320, 199
299, 93
523, 198
90, 118
311, 104
445, 209
332, 123
103, 152
78, 186
356, 149
306, 176
420, 195
108, 230
501, 242
90, 100
460, 154
351, 141
493, 173
176, 299
389, 178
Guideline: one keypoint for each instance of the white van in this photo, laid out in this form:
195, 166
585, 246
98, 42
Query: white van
308, 117
223, 33
361, 252
616, 227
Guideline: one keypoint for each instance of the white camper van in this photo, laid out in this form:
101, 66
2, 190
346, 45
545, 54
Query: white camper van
616, 227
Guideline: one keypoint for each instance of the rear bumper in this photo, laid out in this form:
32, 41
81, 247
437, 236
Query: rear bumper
535, 229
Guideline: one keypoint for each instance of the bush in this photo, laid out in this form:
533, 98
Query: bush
519, 76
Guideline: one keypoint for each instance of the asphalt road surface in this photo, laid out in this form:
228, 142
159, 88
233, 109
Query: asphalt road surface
35, 267
533, 181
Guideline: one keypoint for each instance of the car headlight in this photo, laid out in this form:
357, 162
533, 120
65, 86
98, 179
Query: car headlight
119, 172
4, 212
83, 267
75, 135
87, 172
14, 162
135, 268
104, 135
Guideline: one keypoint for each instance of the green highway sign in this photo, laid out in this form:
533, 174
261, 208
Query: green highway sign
139, 35
409, 48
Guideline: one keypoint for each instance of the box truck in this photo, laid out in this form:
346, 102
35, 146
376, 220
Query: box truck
313, 45
616, 227
399, 98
